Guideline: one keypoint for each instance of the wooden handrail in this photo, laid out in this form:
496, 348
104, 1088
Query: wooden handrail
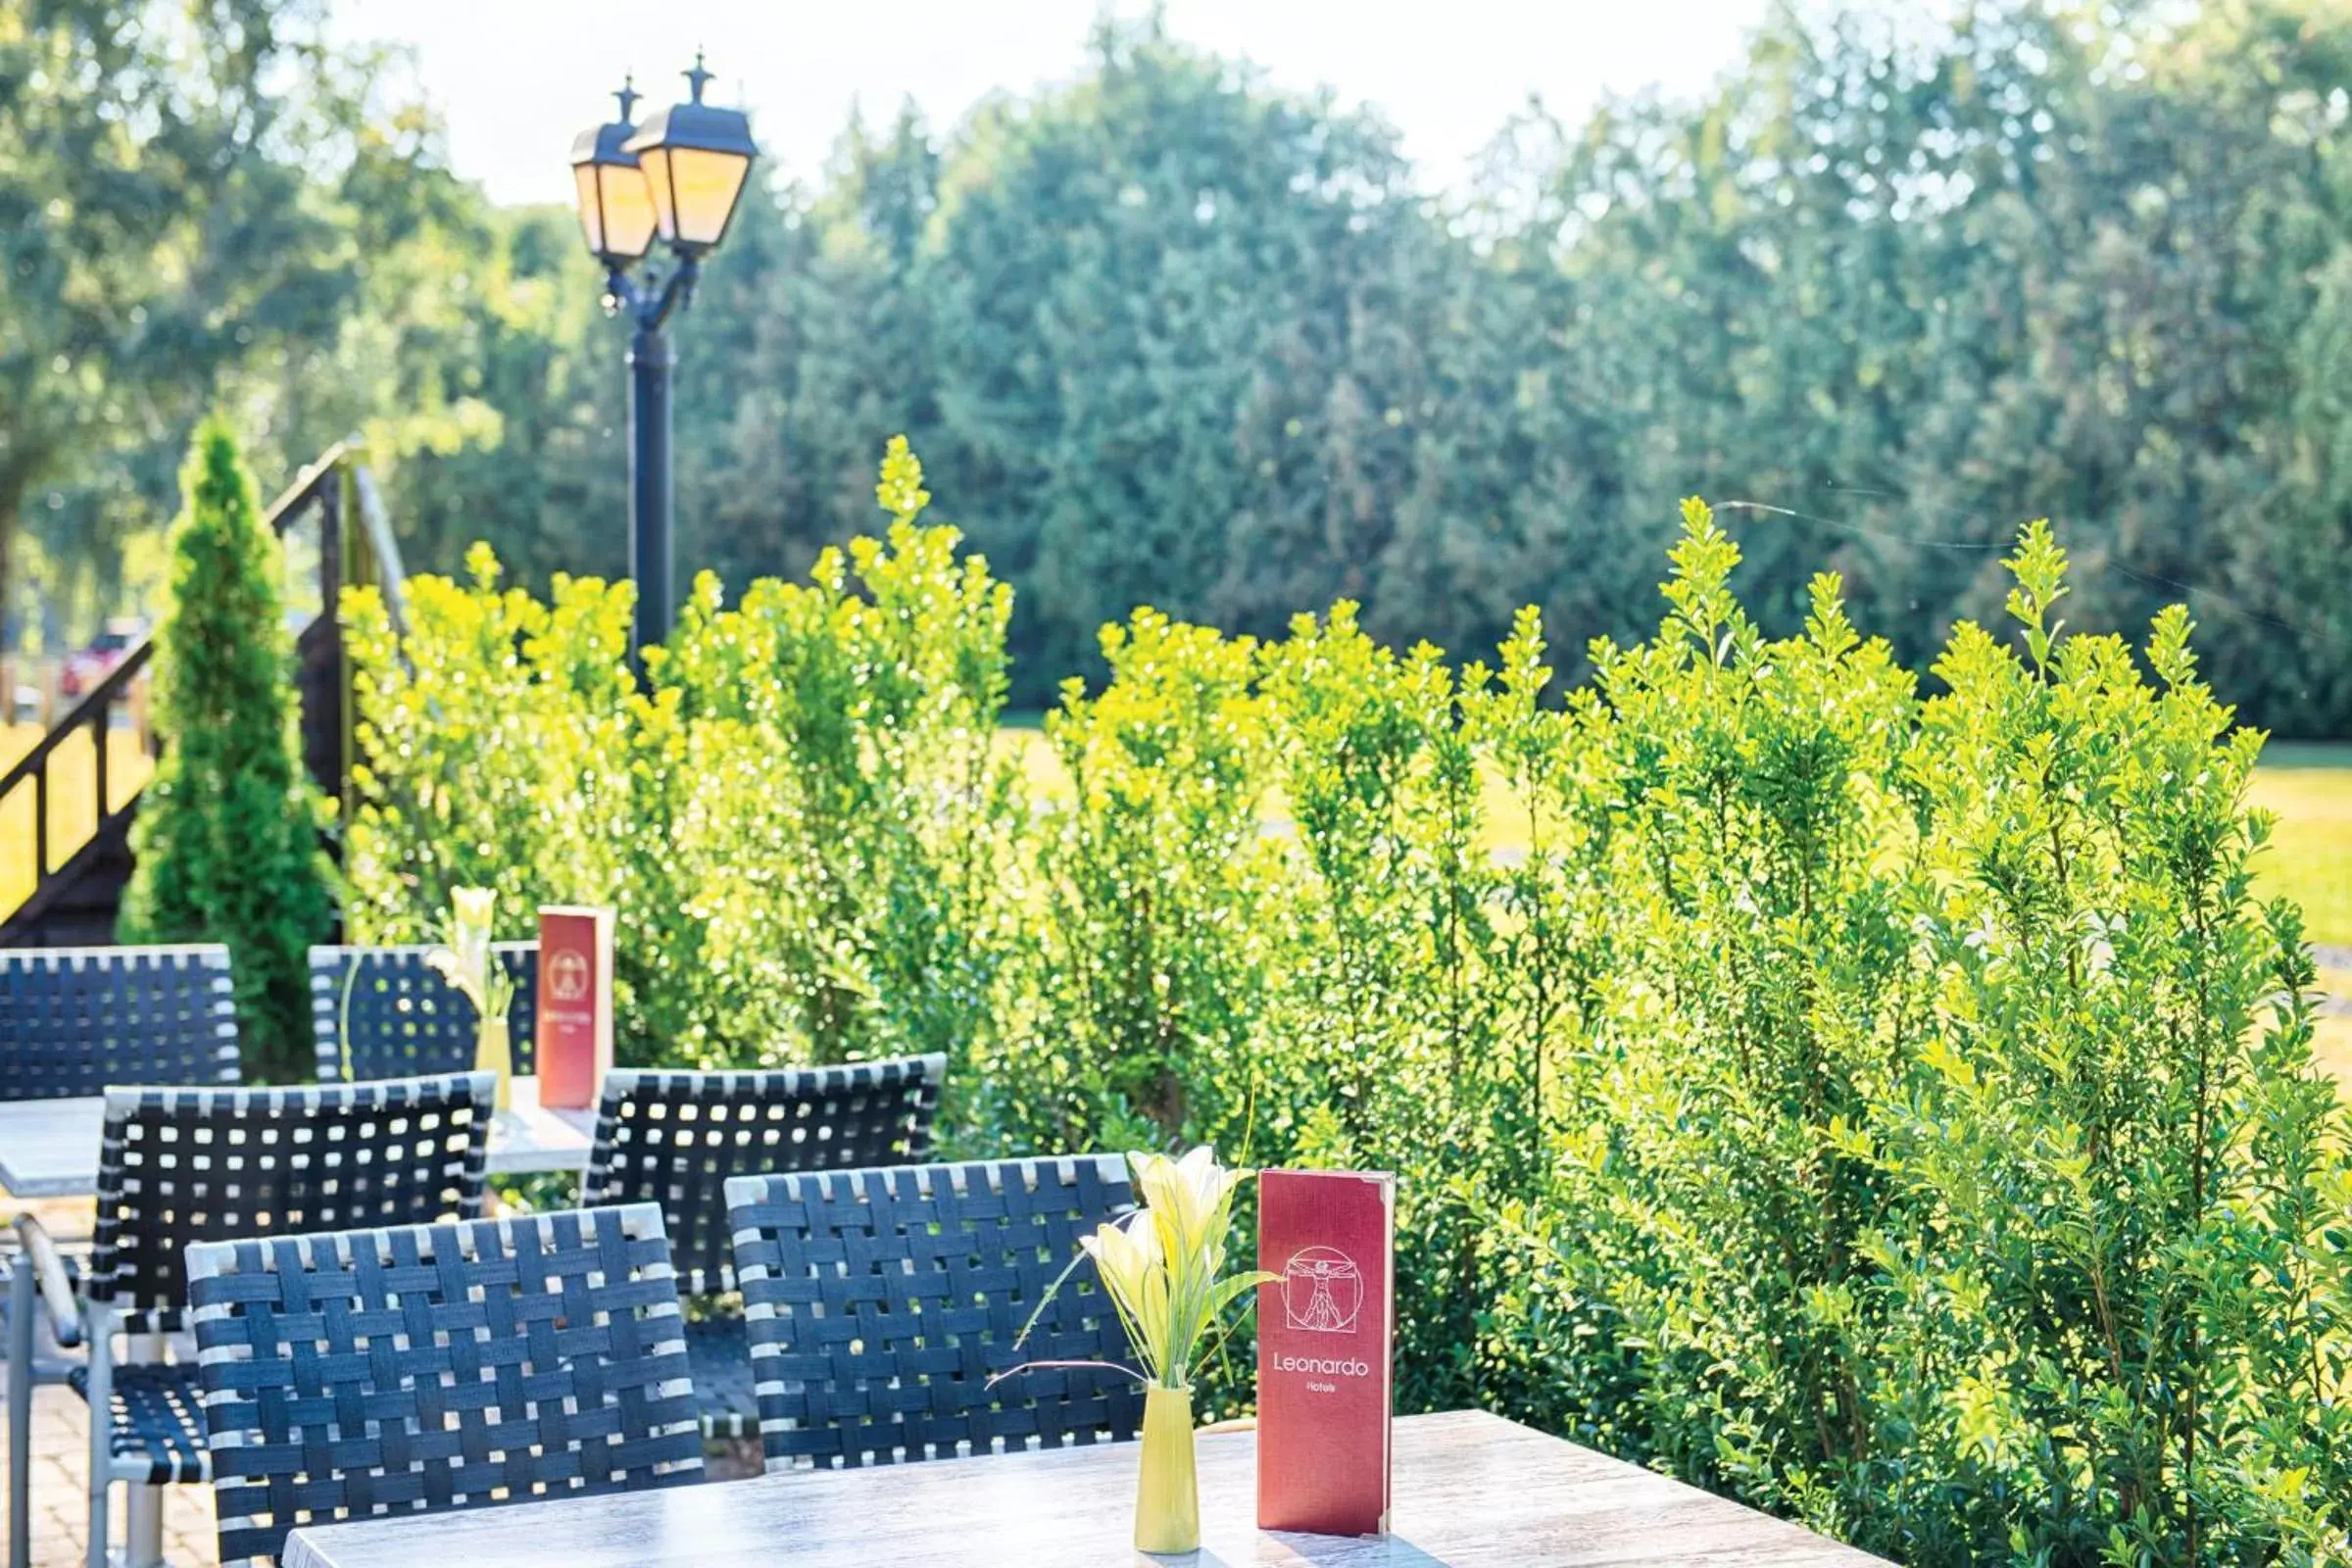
305, 489
99, 699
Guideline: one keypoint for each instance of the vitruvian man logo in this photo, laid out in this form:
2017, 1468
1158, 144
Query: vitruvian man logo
1322, 1290
567, 977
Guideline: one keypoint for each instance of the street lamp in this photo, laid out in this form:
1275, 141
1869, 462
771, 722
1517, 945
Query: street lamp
616, 208
678, 176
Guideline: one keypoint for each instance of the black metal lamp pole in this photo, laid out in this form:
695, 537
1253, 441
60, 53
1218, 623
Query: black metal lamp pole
653, 509
678, 176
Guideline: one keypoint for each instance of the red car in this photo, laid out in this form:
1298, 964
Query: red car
86, 668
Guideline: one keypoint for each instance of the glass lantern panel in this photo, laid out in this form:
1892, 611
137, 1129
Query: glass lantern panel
654, 163
592, 217
629, 219
706, 185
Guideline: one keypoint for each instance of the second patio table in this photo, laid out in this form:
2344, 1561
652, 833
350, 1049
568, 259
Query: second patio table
49, 1147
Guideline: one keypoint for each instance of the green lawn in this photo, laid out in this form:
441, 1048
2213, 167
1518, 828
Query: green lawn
2308, 786
2310, 858
2310, 861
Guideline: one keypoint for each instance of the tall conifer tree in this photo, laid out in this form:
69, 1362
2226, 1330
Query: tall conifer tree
228, 835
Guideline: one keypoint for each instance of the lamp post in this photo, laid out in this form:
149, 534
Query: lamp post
677, 177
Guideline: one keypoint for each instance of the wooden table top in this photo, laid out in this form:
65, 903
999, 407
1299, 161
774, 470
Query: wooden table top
49, 1147
1471, 1491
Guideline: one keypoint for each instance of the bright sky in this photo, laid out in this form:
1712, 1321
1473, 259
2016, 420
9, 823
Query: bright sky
515, 78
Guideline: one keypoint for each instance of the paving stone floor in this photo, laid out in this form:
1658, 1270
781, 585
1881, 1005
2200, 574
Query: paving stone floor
60, 1448
60, 1504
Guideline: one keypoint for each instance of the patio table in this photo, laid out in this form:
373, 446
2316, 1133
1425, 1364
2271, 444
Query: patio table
49, 1147
1471, 1491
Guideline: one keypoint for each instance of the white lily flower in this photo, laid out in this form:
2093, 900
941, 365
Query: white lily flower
474, 908
1125, 1252
443, 962
1188, 1194
1161, 1264
465, 960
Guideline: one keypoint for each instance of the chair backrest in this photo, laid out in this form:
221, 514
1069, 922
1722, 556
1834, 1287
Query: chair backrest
75, 1020
675, 1138
445, 1366
880, 1303
404, 1019
178, 1166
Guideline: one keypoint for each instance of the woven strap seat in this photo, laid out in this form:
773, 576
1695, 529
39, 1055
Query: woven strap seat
403, 1018
74, 1020
156, 1417
880, 1303
447, 1366
182, 1166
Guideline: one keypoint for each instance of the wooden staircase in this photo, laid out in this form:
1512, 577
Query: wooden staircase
75, 904
77, 886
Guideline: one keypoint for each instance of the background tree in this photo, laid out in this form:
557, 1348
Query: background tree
227, 836
1187, 339
1176, 334
157, 228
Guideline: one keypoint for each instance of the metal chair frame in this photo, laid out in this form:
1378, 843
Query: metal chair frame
408, 1020
385, 1372
676, 1138
74, 1020
881, 1303
181, 1166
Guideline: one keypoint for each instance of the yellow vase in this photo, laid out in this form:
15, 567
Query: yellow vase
1168, 1493
494, 1053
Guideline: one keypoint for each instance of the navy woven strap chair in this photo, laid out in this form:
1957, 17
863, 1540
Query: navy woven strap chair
881, 1302
74, 1020
382, 1013
675, 1139
181, 1166
421, 1368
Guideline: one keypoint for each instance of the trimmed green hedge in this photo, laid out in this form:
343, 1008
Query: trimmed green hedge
1890, 1109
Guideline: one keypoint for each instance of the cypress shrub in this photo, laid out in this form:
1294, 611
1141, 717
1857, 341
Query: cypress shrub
227, 836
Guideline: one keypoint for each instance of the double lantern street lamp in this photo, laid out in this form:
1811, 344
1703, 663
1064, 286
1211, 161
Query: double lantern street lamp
677, 176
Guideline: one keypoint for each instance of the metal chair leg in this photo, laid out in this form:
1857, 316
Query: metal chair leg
21, 1309
142, 1525
142, 1500
102, 1429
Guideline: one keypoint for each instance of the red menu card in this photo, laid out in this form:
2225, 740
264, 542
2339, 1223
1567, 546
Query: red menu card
1323, 1338
575, 1043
